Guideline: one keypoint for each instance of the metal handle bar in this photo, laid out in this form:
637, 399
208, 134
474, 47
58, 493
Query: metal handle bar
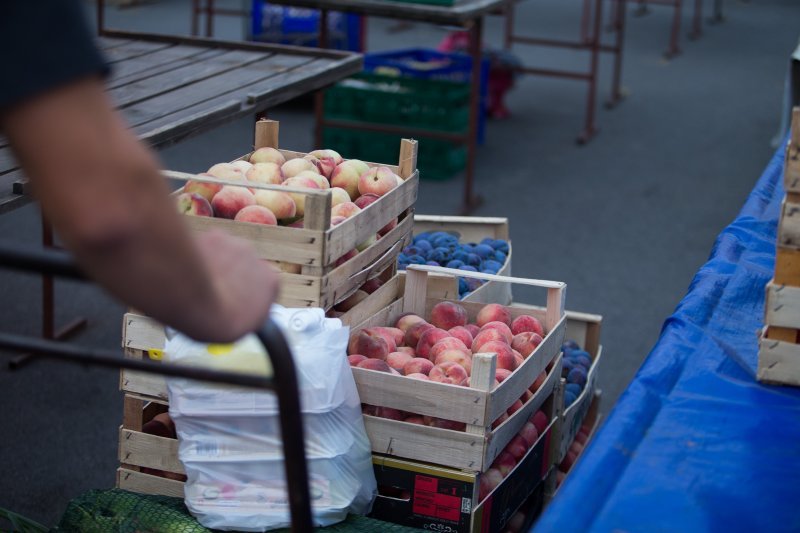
284, 382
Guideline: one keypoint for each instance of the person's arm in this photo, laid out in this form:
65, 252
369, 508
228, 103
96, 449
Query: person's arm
102, 191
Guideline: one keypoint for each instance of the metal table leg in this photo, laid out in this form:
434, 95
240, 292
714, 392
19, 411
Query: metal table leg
589, 128
620, 8
674, 47
319, 96
697, 21
471, 200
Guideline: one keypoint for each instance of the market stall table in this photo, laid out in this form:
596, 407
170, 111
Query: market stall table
695, 443
169, 88
467, 14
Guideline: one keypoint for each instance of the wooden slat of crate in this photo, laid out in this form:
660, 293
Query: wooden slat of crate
147, 484
149, 451
782, 306
778, 362
791, 167
456, 449
471, 229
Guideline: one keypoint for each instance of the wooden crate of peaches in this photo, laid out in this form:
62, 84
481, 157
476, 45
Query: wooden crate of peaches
452, 382
330, 224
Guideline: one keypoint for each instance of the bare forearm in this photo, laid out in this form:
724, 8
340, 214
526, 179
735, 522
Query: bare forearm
102, 191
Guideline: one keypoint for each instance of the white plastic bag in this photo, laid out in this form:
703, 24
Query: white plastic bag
230, 440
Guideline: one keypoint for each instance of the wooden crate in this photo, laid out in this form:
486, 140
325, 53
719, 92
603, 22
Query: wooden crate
583, 328
592, 421
317, 245
474, 229
779, 343
476, 406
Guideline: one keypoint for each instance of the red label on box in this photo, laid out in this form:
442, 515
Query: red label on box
429, 502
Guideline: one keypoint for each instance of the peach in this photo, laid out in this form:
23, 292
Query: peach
428, 339
346, 209
327, 153
351, 301
318, 178
346, 175
418, 375
407, 320
456, 356
493, 313
339, 196
338, 219
347, 257
462, 334
267, 155
385, 335
473, 329
371, 285
299, 223
378, 365
416, 419
355, 359
538, 382
525, 323
501, 327
518, 359
448, 343
407, 349
418, 365
490, 335
447, 315
300, 198
325, 165
395, 372
502, 418
242, 165
517, 447
447, 424
529, 433
516, 522
390, 413
526, 342
489, 481
540, 420
449, 372
206, 190
395, 333
581, 437
193, 204
501, 374
369, 345
280, 203
516, 406
505, 463
371, 410
230, 200
267, 173
415, 331
505, 357
377, 180
366, 244
293, 167
568, 460
366, 199
398, 360
526, 395
388, 227
256, 214
226, 171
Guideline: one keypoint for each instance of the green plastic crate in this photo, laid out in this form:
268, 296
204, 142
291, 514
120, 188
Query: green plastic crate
379, 99
436, 159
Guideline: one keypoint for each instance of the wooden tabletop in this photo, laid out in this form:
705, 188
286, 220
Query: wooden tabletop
459, 14
170, 88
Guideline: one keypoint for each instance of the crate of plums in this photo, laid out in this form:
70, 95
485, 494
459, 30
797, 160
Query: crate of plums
474, 244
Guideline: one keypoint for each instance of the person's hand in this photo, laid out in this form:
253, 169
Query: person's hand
244, 286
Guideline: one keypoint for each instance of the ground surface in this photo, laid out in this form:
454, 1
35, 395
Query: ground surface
625, 221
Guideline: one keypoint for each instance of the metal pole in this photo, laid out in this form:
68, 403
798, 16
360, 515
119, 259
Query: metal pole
589, 127
101, 16
196, 8
508, 26
471, 201
674, 47
697, 21
319, 96
209, 18
619, 24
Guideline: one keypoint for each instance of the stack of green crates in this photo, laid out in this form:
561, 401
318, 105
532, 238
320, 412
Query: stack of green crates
435, 105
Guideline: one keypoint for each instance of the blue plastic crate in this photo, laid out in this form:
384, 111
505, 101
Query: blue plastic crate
299, 26
427, 64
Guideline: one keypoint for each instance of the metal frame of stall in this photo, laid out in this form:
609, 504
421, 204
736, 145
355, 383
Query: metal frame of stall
52, 263
591, 40
674, 48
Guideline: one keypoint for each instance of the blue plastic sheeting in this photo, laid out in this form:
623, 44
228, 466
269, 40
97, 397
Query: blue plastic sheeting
695, 443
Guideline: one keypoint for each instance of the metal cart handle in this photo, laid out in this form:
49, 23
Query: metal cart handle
284, 382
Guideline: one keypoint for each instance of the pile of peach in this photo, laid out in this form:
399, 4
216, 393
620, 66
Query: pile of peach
352, 183
513, 453
441, 350
575, 450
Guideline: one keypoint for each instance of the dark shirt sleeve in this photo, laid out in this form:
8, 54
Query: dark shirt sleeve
44, 45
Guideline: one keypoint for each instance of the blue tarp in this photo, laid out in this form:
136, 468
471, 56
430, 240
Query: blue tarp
695, 443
